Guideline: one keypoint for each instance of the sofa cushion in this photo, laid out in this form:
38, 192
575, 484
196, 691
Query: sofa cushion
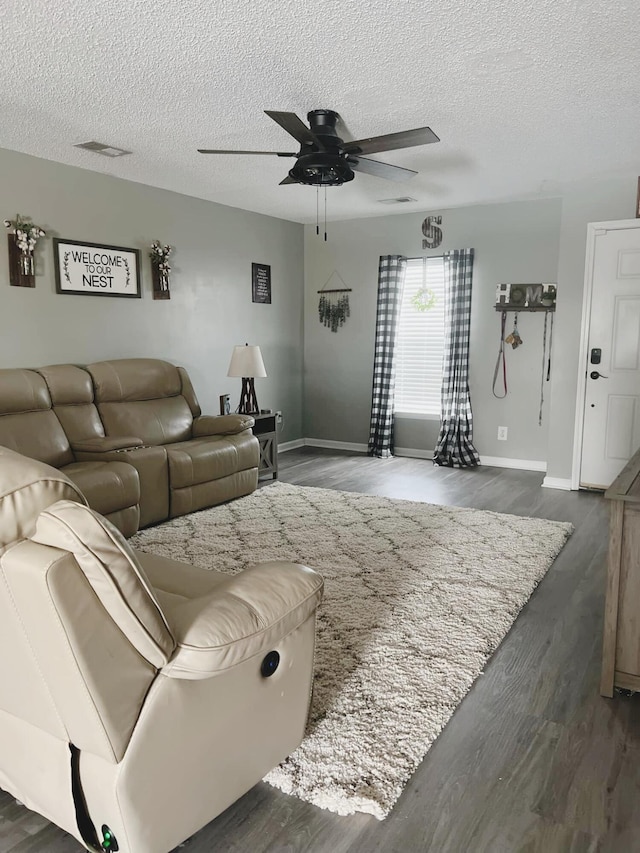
22, 391
174, 580
114, 573
26, 488
71, 391
213, 492
125, 380
210, 458
68, 384
27, 423
107, 486
154, 421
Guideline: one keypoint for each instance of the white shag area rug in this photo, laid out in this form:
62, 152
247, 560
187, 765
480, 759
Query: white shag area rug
417, 598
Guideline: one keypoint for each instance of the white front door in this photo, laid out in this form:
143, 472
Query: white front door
611, 423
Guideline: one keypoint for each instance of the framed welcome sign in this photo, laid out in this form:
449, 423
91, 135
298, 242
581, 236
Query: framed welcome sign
96, 270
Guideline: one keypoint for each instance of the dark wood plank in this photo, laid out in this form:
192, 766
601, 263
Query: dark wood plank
534, 760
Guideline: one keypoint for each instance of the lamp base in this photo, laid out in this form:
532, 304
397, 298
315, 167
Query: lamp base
248, 402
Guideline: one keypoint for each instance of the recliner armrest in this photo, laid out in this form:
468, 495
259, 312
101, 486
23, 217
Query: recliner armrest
245, 615
105, 444
221, 424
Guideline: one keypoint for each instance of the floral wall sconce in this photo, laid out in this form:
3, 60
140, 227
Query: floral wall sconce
160, 269
22, 243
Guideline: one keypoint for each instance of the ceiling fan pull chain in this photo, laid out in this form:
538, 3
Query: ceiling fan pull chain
317, 211
325, 214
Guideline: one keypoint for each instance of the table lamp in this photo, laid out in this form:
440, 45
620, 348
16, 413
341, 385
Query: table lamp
246, 362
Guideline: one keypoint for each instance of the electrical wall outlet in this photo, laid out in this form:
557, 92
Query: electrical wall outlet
502, 433
279, 418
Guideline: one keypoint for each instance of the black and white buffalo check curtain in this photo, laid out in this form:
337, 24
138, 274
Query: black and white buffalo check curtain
390, 284
454, 447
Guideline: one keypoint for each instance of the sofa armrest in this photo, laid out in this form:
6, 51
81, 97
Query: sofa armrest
221, 424
153, 471
104, 444
245, 615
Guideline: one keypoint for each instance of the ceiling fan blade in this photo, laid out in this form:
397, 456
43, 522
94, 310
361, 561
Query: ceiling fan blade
296, 127
289, 180
380, 170
391, 141
220, 151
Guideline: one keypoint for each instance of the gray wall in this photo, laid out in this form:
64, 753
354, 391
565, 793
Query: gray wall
515, 242
210, 309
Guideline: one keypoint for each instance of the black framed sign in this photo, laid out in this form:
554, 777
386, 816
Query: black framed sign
261, 283
94, 269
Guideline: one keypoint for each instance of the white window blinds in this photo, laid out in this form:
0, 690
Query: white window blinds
420, 340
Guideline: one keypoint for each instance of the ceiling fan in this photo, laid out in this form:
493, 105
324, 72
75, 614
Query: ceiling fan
325, 160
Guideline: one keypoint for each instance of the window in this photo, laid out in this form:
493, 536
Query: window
420, 339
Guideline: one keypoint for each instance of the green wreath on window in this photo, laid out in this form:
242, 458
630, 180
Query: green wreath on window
424, 299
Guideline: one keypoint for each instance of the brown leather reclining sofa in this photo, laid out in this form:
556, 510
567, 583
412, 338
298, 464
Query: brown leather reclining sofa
130, 434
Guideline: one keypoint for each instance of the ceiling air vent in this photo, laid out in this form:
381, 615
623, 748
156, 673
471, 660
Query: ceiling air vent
101, 148
403, 199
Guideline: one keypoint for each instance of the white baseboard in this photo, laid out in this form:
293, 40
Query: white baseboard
336, 445
506, 462
290, 445
557, 483
413, 453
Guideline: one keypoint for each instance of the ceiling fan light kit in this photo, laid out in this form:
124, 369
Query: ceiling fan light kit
322, 170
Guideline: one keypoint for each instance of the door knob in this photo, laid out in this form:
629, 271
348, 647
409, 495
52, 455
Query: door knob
595, 375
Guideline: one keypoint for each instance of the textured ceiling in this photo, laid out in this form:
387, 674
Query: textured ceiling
524, 96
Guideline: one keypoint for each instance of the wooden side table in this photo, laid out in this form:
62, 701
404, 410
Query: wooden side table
621, 640
265, 431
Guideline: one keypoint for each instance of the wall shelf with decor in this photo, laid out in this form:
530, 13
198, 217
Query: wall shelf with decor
526, 297
519, 299
523, 308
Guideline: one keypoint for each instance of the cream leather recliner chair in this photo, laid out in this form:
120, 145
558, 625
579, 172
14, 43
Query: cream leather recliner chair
138, 696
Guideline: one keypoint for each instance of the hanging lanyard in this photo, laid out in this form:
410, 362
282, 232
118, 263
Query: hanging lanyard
544, 358
503, 327
550, 345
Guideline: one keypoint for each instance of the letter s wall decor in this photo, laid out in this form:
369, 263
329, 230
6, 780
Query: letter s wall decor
432, 234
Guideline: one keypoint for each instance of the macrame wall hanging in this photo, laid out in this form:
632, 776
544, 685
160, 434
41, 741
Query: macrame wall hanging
333, 307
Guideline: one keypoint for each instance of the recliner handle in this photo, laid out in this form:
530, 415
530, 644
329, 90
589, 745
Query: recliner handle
85, 825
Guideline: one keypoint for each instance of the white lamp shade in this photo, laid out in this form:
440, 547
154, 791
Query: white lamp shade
246, 361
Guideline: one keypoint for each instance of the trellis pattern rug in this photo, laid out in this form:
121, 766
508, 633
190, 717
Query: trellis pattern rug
417, 598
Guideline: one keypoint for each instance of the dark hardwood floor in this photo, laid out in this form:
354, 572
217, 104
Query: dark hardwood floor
532, 760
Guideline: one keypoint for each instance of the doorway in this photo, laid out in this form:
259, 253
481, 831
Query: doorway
608, 402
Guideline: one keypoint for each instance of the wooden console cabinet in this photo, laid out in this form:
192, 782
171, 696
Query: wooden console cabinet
621, 640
